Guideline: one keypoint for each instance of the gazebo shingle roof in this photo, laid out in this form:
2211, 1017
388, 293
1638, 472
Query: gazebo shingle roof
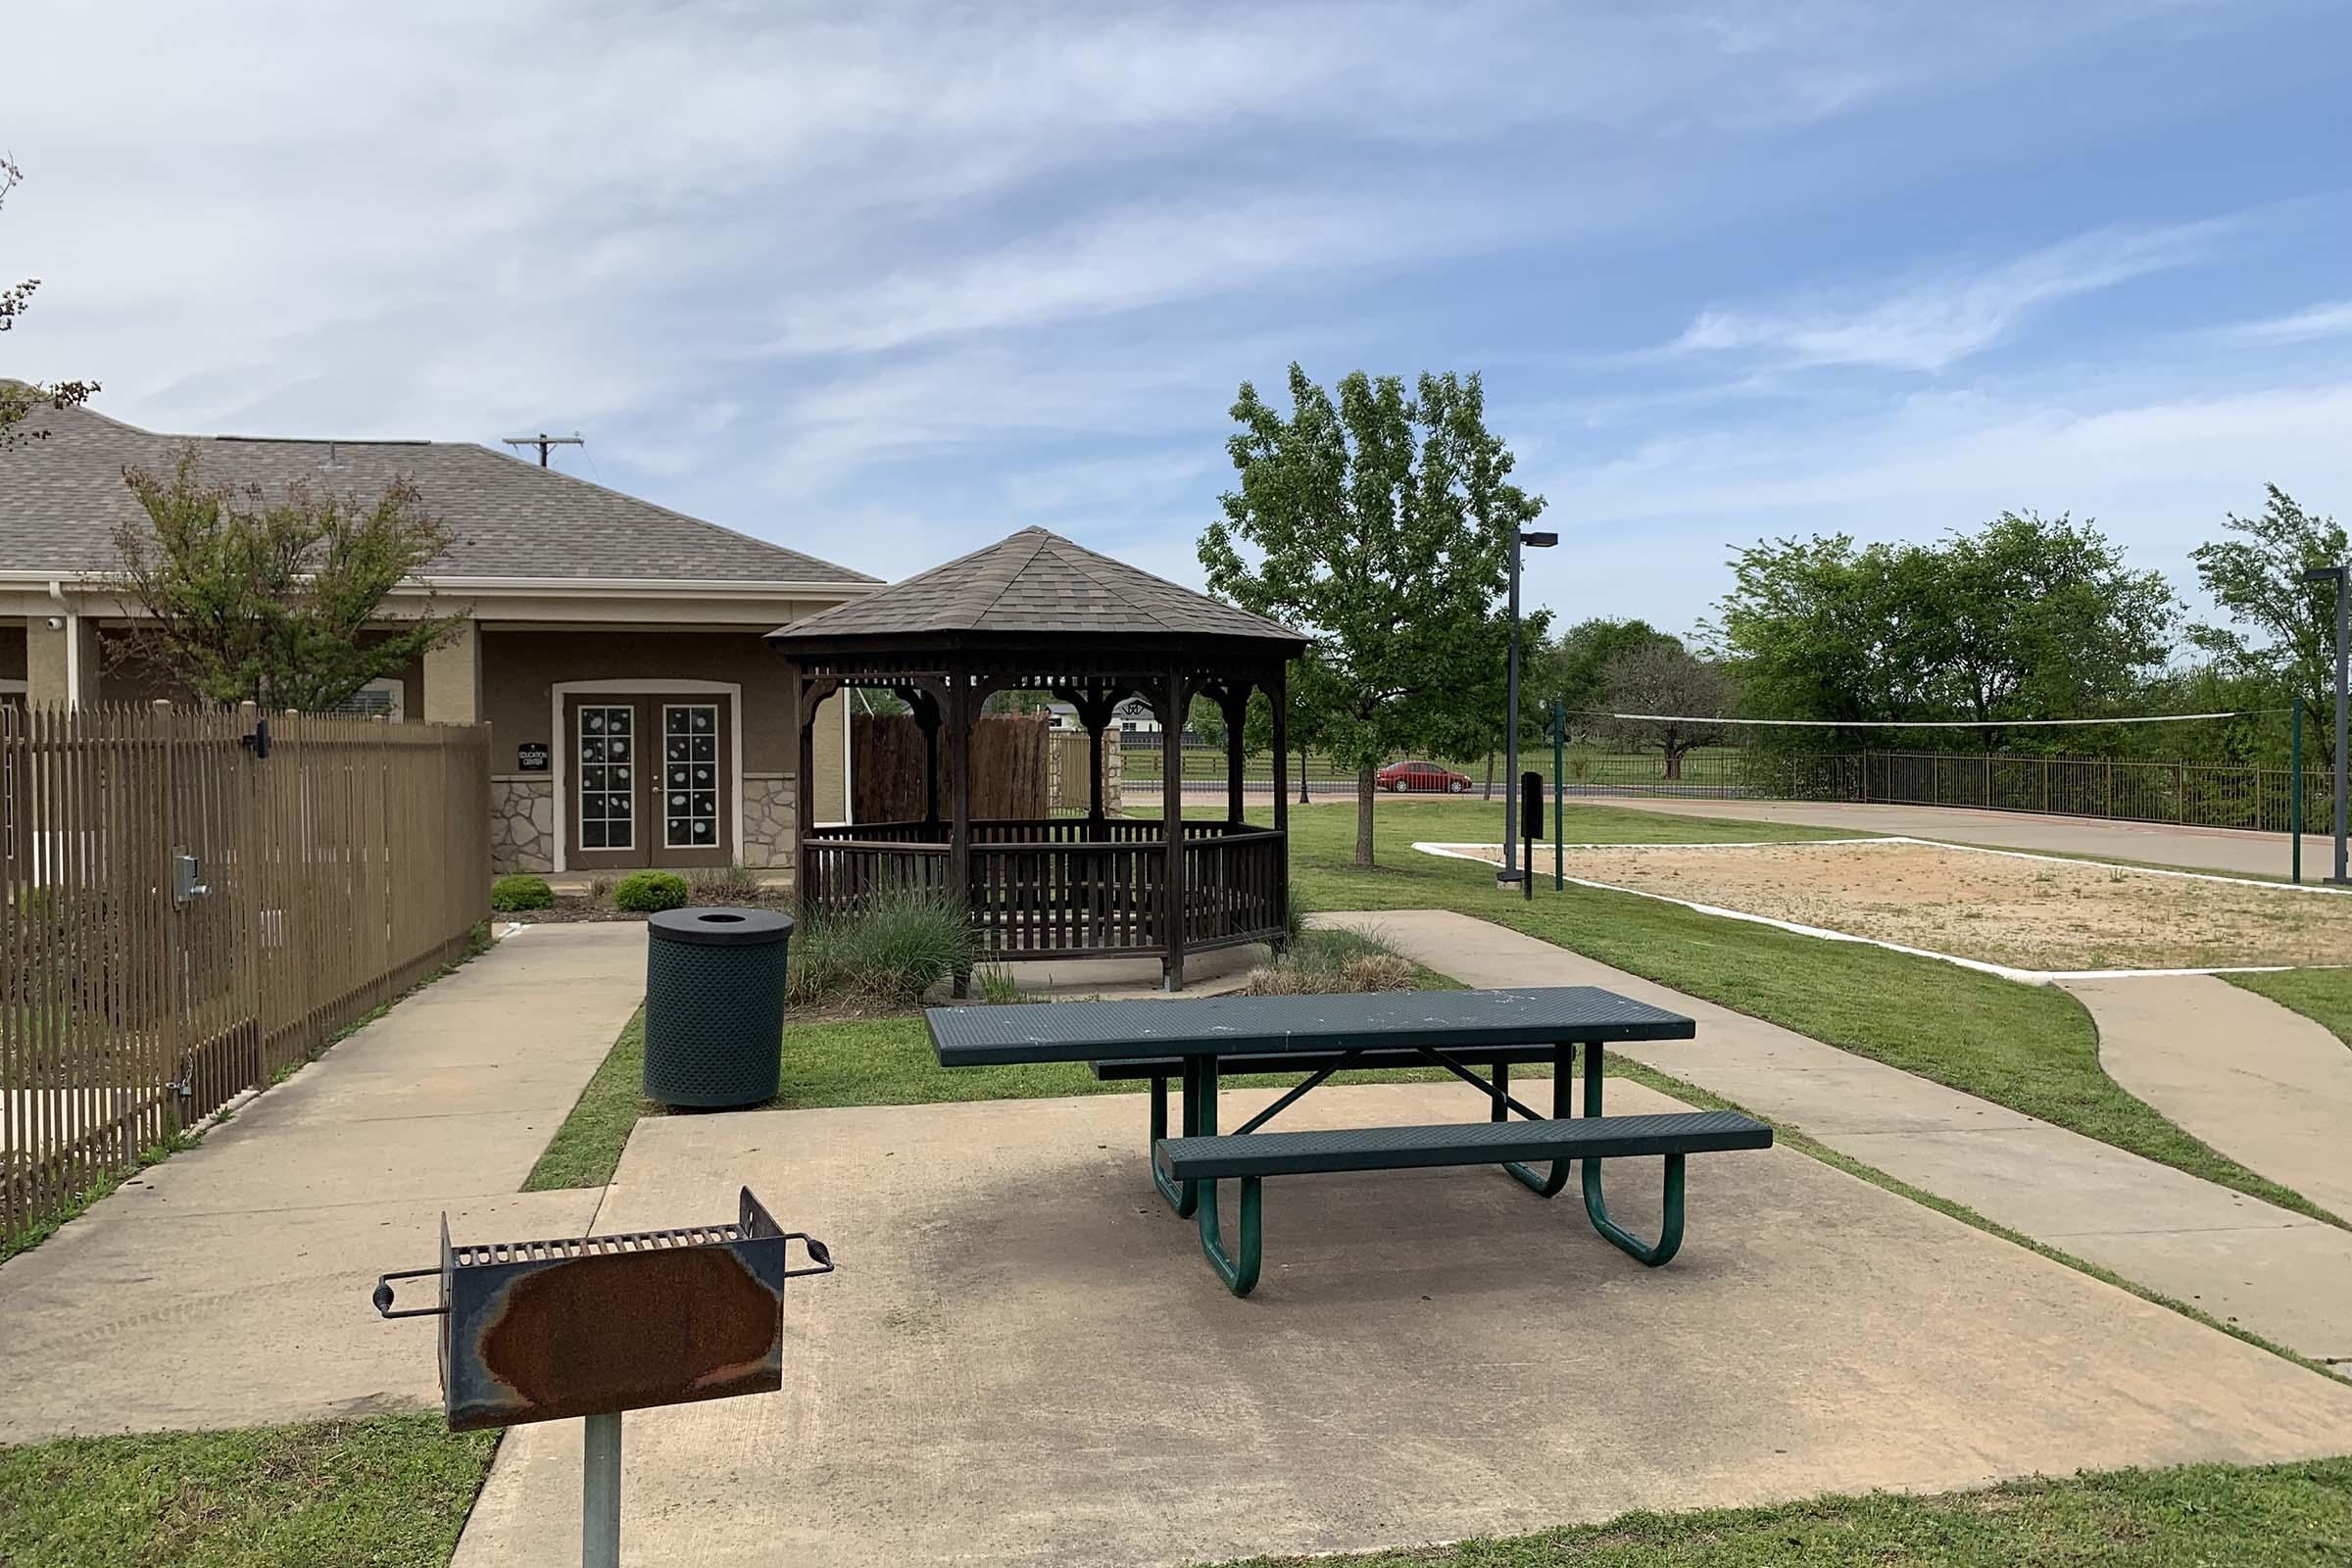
1034, 582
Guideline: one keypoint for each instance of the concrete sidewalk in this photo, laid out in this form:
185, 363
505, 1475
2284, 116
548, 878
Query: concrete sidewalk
2260, 1082
2233, 851
228, 1286
2277, 1273
1023, 1360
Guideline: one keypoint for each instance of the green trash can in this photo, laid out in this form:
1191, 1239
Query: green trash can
715, 1006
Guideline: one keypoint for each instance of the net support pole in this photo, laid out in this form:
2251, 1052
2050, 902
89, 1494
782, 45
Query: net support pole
1559, 778
2294, 793
2343, 608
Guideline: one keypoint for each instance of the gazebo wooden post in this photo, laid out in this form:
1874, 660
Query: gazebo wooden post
804, 801
1234, 702
1278, 698
1097, 720
959, 754
1171, 797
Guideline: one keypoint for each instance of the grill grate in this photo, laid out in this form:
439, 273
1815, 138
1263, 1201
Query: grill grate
482, 1254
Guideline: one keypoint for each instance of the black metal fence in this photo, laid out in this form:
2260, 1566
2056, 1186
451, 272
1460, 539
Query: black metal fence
2189, 794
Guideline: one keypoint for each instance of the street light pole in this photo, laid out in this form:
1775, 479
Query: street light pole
1512, 870
2341, 576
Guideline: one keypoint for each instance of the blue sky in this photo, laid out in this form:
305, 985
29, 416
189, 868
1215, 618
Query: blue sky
887, 281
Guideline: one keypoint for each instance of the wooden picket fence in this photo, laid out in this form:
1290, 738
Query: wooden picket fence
136, 998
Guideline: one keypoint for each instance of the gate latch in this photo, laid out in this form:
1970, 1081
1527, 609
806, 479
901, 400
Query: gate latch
188, 885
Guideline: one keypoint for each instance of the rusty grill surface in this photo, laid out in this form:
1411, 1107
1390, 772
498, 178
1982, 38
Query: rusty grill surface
589, 1325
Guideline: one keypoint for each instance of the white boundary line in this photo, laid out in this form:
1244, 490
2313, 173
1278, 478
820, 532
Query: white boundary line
2033, 977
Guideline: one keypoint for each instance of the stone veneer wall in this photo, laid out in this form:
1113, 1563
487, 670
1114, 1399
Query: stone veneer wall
522, 823
770, 805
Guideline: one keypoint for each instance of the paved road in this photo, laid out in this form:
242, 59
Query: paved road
2202, 849
2284, 1276
228, 1286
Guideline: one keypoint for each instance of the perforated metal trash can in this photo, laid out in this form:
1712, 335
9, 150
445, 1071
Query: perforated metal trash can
714, 1006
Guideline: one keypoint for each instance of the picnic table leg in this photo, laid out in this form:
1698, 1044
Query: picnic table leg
1181, 1196
1238, 1274
1597, 1207
1552, 1185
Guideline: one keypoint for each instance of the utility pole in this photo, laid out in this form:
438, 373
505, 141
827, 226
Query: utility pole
1512, 871
2341, 576
543, 441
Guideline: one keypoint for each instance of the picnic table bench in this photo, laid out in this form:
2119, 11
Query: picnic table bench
1197, 1043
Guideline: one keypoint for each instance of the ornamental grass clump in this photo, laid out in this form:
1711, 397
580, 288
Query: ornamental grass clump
884, 955
1332, 960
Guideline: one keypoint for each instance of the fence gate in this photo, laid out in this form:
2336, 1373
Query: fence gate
195, 901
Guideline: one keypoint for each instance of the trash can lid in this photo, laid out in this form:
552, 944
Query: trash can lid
722, 928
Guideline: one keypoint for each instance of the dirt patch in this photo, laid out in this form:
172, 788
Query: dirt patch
2026, 913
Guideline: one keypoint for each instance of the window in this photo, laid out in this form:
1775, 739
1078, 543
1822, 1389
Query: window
689, 776
607, 768
385, 696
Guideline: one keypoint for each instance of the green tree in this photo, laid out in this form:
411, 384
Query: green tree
280, 601
1663, 677
2027, 618
1475, 727
19, 399
1574, 669
1379, 523
2038, 618
2282, 631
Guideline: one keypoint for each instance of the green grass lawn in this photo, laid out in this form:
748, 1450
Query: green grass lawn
2200, 1515
393, 1491
388, 1492
2324, 996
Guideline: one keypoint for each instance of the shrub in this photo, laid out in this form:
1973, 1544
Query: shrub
1334, 959
522, 891
885, 955
650, 892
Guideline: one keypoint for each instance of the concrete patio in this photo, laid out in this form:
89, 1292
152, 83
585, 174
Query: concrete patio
1024, 1359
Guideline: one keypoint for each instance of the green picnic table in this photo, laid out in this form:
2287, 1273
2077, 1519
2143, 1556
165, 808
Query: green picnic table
1194, 1043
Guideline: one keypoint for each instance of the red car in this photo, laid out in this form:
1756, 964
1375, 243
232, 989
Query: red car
1397, 777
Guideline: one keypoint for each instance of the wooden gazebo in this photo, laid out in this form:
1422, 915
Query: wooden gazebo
1037, 613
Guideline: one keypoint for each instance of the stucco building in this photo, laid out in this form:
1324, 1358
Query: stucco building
614, 646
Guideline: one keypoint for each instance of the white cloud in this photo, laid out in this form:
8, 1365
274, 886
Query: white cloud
2319, 321
1934, 323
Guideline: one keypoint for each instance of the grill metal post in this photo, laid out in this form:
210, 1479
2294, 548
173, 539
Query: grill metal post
600, 1492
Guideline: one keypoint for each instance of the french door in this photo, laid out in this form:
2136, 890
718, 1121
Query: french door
648, 779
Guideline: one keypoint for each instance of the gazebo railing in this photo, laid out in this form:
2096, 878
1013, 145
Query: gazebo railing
844, 875
1063, 886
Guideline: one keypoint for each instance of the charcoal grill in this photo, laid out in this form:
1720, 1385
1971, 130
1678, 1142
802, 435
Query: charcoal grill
591, 1326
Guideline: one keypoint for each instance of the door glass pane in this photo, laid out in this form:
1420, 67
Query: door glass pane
690, 775
603, 797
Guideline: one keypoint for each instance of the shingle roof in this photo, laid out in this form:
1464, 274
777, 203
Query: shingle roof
61, 495
1034, 581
